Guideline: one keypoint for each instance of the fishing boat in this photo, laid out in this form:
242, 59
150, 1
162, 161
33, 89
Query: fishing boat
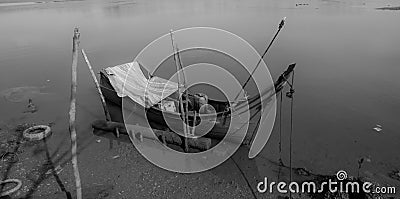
130, 89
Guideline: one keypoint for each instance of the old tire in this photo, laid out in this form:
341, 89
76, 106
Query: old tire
46, 131
16, 188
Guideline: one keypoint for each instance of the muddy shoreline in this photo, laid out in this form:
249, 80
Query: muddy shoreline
124, 173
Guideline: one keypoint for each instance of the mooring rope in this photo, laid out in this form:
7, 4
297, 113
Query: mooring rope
280, 129
244, 176
280, 136
291, 131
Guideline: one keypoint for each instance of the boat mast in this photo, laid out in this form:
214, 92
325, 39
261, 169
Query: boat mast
184, 112
184, 87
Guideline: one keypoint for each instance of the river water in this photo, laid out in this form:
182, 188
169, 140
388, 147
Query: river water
346, 81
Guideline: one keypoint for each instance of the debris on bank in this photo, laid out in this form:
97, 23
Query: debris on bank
57, 170
302, 4
395, 174
31, 108
378, 128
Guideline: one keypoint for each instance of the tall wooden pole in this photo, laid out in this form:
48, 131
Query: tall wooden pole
186, 91
72, 114
183, 113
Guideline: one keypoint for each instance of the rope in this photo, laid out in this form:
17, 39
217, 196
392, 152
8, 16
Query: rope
280, 136
257, 125
280, 130
244, 176
291, 132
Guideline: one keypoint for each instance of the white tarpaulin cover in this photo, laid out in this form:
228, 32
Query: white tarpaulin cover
128, 80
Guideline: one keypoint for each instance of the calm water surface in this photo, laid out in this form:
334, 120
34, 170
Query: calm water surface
347, 56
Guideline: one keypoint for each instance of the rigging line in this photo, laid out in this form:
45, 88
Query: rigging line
244, 176
291, 132
257, 124
280, 136
280, 128
281, 24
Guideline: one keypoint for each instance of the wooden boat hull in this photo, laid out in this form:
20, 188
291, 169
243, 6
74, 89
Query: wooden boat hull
162, 120
156, 118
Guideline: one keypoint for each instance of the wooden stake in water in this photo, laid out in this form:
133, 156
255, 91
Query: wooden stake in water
72, 114
103, 101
